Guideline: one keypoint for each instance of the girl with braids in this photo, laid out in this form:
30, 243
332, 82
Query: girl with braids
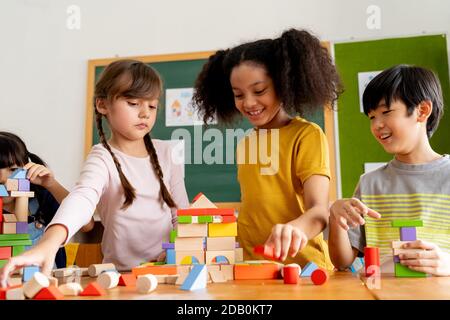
129, 179
48, 192
272, 83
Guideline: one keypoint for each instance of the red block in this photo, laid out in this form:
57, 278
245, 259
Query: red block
93, 289
265, 251
371, 258
49, 293
197, 196
127, 280
206, 212
228, 219
319, 276
291, 275
5, 253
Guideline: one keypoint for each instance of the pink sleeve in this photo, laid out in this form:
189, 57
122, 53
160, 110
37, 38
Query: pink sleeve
78, 207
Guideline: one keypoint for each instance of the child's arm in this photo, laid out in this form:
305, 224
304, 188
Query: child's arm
42, 255
433, 261
293, 236
42, 176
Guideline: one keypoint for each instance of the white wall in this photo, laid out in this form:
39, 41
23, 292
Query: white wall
43, 64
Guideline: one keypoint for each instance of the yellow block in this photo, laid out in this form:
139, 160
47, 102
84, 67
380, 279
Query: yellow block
222, 229
71, 253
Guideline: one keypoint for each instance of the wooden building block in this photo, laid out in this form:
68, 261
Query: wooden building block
196, 279
108, 279
146, 283
9, 217
18, 194
173, 235
185, 219
4, 290
217, 276
201, 201
222, 229
53, 281
71, 289
24, 185
206, 212
405, 272
238, 254
256, 272
319, 276
35, 284
192, 230
13, 237
291, 274
127, 280
154, 270
3, 191
12, 184
28, 272
95, 269
211, 255
265, 251
21, 227
21, 209
308, 269
398, 244
199, 255
49, 293
5, 252
19, 173
371, 258
9, 227
171, 278
189, 244
220, 243
168, 245
15, 294
93, 289
181, 278
406, 223
408, 234
396, 252
227, 271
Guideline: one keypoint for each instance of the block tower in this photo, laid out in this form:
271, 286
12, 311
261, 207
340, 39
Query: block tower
407, 234
14, 237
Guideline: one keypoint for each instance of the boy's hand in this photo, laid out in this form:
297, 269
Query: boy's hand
348, 213
286, 239
39, 175
433, 260
33, 257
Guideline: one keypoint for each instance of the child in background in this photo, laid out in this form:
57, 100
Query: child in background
404, 105
48, 192
270, 82
130, 179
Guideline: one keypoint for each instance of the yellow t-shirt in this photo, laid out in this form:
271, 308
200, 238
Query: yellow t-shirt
272, 186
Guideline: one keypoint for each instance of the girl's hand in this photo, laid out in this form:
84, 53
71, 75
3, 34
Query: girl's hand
39, 175
37, 256
433, 261
348, 213
161, 257
286, 239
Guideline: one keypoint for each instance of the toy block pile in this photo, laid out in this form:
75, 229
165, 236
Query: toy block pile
14, 237
407, 234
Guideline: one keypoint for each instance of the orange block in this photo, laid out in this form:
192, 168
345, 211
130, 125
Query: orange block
49, 293
127, 280
93, 289
256, 271
206, 212
155, 270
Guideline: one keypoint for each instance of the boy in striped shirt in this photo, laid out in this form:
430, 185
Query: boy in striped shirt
404, 105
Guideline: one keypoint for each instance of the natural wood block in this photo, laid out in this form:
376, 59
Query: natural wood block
210, 255
198, 254
189, 244
192, 230
220, 243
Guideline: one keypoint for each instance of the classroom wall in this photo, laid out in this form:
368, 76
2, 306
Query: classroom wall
43, 63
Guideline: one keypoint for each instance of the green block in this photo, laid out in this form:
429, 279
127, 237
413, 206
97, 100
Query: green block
9, 237
184, 219
402, 271
3, 262
407, 223
18, 250
13, 243
173, 235
159, 263
205, 219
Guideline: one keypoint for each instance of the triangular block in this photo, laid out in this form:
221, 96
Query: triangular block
201, 201
196, 279
49, 293
3, 191
127, 280
18, 174
93, 289
309, 269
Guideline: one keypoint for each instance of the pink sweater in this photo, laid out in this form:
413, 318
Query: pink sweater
133, 235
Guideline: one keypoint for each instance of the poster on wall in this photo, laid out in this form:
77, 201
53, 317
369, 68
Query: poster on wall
363, 80
180, 110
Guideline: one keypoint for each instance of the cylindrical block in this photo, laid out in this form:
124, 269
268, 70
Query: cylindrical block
319, 276
292, 265
71, 289
290, 274
38, 282
108, 279
95, 269
21, 209
146, 283
371, 258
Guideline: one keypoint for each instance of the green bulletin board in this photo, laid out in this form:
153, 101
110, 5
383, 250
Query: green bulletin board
356, 143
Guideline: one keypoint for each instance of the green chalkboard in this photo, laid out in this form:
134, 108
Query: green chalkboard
218, 180
356, 143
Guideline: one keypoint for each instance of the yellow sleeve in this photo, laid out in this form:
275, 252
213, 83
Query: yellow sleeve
312, 156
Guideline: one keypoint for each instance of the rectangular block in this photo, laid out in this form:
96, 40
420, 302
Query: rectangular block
12, 243
16, 250
222, 229
173, 235
9, 217
406, 223
28, 272
189, 257
21, 227
24, 185
224, 219
404, 272
400, 251
9, 228
3, 191
5, 253
184, 219
192, 230
189, 244
3, 262
206, 212
9, 237
17, 194
205, 219
408, 234
168, 245
398, 244
228, 271
12, 184
214, 257
170, 256
256, 272
154, 270
220, 243
396, 259
239, 254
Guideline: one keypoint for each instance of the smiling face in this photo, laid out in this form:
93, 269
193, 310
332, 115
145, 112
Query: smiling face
398, 132
255, 96
129, 118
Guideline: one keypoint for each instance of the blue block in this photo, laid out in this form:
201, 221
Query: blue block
357, 265
3, 191
18, 174
28, 272
221, 259
170, 256
196, 279
309, 269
